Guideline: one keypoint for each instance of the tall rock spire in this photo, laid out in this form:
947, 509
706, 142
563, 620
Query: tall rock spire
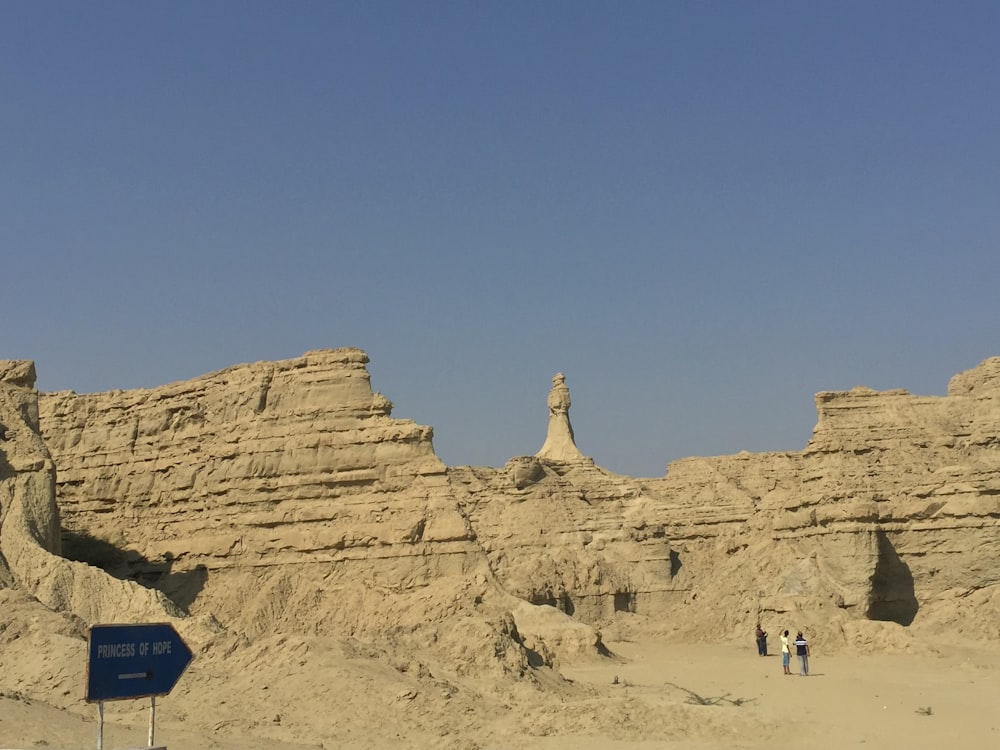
559, 442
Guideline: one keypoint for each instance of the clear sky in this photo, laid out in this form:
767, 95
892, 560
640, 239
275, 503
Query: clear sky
702, 212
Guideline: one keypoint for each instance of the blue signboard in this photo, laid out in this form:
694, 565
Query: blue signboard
134, 661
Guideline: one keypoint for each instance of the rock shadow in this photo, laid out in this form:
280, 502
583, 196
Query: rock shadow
181, 587
6, 470
563, 603
625, 601
86, 548
893, 596
675, 563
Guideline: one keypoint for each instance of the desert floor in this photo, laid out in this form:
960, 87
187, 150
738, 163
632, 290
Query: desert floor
651, 695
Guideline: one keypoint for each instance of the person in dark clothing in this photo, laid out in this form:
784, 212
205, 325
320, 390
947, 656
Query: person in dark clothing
761, 637
802, 651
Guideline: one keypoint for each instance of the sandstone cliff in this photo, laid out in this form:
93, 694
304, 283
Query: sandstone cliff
283, 497
30, 540
319, 545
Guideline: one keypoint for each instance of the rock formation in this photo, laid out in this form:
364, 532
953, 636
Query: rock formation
30, 540
283, 497
560, 444
281, 481
314, 540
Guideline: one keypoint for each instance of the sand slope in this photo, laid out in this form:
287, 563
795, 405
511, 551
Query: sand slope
667, 695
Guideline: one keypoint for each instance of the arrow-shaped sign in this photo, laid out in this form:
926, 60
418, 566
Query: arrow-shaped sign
134, 661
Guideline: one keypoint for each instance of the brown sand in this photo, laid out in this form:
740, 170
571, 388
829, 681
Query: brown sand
879, 701
912, 701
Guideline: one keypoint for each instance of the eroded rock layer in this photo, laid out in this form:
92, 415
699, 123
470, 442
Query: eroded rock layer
30, 540
256, 492
891, 507
284, 496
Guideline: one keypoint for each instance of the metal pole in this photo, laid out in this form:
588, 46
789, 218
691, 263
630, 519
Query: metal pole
100, 725
152, 718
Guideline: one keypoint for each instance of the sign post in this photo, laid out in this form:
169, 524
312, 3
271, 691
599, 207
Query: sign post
133, 661
152, 719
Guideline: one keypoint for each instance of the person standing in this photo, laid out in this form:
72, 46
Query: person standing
761, 637
802, 650
786, 654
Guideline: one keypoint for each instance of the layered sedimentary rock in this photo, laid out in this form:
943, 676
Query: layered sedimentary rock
259, 492
892, 505
567, 534
928, 469
284, 496
30, 539
248, 465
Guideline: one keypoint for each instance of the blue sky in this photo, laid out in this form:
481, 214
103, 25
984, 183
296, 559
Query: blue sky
702, 212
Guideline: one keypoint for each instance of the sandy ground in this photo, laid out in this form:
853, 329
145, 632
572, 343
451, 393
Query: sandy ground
650, 695
875, 701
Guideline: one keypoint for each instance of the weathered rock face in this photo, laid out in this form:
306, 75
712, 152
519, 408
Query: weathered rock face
713, 545
892, 506
29, 521
565, 533
283, 497
928, 469
256, 492
247, 464
30, 540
